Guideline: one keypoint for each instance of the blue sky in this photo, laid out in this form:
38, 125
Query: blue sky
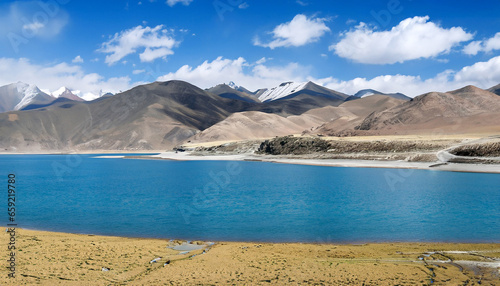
392, 45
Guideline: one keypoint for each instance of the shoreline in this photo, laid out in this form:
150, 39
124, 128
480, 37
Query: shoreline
331, 242
433, 166
187, 156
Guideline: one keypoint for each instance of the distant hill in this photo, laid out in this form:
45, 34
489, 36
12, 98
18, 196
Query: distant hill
64, 92
161, 115
466, 109
495, 89
251, 125
226, 91
350, 114
309, 96
369, 92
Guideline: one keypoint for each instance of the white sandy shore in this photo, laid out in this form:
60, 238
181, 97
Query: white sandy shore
186, 156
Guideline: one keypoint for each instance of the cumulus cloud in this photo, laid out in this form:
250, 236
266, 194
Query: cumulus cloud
52, 77
481, 74
298, 32
411, 39
171, 3
155, 43
77, 59
258, 75
250, 75
486, 46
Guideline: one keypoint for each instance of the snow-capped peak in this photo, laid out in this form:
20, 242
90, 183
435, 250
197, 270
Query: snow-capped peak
366, 92
31, 94
66, 93
231, 84
60, 92
21, 86
283, 90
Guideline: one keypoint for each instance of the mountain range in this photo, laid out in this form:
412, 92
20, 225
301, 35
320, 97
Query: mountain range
162, 115
20, 95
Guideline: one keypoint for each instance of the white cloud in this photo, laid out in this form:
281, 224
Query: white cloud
138, 71
77, 59
257, 75
482, 74
156, 42
409, 85
262, 60
298, 32
52, 77
413, 38
150, 55
171, 3
251, 76
486, 46
243, 5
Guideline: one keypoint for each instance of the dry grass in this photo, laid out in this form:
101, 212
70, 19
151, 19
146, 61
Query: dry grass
47, 258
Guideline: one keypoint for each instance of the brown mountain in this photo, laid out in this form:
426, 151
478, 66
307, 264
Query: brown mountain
325, 120
153, 116
161, 115
469, 109
352, 113
224, 90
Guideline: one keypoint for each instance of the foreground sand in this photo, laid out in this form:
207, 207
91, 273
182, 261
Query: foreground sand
48, 258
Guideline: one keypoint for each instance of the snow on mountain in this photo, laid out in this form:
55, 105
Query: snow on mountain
366, 92
283, 90
66, 93
369, 92
31, 95
231, 84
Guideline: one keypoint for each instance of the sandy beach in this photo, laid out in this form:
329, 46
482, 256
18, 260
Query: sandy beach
49, 258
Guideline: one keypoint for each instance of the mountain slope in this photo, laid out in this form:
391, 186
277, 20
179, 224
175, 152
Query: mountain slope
10, 96
33, 95
252, 125
16, 96
495, 89
310, 96
227, 91
466, 109
64, 92
350, 114
283, 90
154, 116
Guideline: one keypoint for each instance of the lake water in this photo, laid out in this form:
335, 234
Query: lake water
250, 201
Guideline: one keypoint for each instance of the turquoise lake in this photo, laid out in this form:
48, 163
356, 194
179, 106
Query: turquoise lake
250, 201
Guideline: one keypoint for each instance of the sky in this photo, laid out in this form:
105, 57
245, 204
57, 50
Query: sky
406, 46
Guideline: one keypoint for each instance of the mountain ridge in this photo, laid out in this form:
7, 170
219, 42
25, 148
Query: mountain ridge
162, 115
